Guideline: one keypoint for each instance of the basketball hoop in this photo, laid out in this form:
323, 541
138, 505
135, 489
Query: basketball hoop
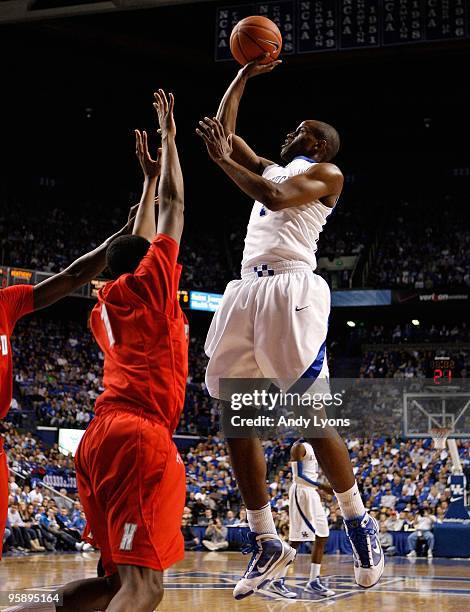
439, 436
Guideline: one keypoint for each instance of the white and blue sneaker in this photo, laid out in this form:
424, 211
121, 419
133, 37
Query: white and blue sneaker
270, 555
316, 587
279, 586
367, 551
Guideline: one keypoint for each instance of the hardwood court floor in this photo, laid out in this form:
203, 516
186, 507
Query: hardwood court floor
204, 581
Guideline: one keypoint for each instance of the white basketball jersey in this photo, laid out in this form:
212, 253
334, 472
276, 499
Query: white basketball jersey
309, 464
290, 234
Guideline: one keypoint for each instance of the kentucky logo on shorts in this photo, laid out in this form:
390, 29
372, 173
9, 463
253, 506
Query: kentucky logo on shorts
128, 536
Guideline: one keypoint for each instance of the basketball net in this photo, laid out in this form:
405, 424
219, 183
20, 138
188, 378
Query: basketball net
439, 436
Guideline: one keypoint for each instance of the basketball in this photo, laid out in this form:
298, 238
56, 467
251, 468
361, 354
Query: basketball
252, 37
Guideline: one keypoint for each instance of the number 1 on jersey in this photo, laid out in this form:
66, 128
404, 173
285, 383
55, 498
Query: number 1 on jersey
107, 325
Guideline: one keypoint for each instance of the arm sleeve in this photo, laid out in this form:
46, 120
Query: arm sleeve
155, 279
17, 302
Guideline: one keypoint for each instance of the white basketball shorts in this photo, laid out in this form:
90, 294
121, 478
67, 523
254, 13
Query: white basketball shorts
307, 517
271, 324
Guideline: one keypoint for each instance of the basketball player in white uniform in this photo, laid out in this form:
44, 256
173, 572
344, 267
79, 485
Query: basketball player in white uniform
307, 518
273, 322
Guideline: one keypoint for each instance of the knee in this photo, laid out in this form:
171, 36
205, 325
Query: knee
154, 584
145, 586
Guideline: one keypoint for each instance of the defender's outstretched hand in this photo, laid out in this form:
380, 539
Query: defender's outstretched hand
254, 68
164, 107
150, 167
219, 146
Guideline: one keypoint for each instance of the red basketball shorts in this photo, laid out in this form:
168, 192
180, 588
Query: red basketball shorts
131, 482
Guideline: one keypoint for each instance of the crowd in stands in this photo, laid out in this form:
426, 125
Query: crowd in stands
28, 242
40, 518
424, 248
418, 245
408, 333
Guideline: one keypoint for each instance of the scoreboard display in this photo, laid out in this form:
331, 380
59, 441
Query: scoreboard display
21, 277
309, 26
443, 370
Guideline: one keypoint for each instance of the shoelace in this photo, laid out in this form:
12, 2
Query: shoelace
359, 539
252, 548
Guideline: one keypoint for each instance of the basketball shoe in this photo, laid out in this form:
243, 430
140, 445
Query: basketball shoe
279, 586
367, 552
270, 555
318, 588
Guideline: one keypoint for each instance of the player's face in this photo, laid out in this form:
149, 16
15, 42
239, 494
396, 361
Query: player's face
300, 142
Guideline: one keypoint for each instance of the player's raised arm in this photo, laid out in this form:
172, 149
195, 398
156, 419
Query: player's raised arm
171, 187
144, 224
321, 181
80, 272
228, 111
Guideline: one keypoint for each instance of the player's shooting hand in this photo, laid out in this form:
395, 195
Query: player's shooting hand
219, 146
164, 107
255, 68
150, 167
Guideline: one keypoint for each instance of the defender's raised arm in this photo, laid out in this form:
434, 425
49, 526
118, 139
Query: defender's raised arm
171, 188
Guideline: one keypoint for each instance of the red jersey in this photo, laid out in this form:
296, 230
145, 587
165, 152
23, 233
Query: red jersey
143, 333
15, 302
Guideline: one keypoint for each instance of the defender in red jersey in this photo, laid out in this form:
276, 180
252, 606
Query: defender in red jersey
20, 300
130, 477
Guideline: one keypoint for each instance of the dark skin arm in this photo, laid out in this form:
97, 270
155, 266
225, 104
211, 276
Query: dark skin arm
228, 111
321, 181
171, 187
298, 453
80, 272
144, 224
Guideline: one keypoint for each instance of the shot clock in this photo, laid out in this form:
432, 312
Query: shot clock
443, 370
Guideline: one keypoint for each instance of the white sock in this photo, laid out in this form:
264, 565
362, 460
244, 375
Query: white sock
350, 503
314, 571
261, 521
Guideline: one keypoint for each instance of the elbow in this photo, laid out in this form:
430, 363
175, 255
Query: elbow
272, 200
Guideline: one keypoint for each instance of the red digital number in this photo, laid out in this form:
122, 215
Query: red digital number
440, 374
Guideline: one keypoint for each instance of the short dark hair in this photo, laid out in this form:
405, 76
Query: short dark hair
325, 131
124, 254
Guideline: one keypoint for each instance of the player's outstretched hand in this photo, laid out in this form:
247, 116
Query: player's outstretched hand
164, 106
254, 68
150, 167
219, 146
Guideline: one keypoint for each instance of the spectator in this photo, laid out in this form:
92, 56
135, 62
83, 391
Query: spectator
423, 529
36, 496
230, 518
215, 537
386, 540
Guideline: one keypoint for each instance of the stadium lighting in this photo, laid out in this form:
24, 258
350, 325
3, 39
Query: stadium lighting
415, 322
351, 324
